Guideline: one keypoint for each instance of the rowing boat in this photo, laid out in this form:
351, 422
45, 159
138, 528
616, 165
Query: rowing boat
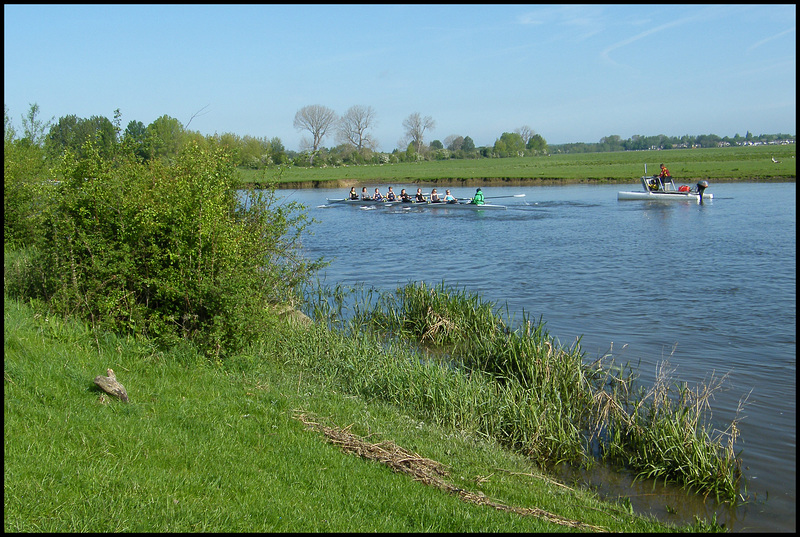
414, 205
459, 205
656, 189
362, 203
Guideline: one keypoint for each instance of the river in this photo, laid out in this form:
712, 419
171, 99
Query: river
709, 288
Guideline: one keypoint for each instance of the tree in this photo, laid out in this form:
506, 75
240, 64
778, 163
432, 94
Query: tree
316, 119
25, 171
468, 145
415, 127
454, 142
135, 136
9, 133
510, 144
526, 133
437, 144
102, 130
33, 128
253, 152
71, 133
353, 127
61, 135
165, 136
537, 144
276, 151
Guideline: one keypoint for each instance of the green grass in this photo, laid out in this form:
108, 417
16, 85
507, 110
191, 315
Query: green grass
686, 165
202, 448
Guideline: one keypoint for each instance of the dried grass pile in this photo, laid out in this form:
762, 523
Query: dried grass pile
425, 470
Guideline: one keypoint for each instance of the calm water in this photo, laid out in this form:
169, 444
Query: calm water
709, 288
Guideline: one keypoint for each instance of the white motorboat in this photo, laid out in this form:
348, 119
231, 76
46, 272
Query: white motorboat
657, 189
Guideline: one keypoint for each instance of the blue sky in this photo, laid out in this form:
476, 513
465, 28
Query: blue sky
572, 73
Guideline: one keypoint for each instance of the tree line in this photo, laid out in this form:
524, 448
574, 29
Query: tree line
351, 133
661, 141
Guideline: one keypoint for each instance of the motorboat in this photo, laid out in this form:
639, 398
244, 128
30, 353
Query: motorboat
656, 188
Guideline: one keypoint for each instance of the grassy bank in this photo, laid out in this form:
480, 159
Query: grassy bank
686, 165
202, 448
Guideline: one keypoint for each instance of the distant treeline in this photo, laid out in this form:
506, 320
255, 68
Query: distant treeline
165, 136
687, 141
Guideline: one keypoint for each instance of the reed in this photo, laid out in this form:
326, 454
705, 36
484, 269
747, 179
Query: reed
665, 434
446, 355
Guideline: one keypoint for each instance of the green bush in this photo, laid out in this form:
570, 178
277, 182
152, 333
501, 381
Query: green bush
170, 251
24, 179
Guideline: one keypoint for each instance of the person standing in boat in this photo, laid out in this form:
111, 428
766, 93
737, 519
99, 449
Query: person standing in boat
664, 176
390, 195
404, 197
435, 197
420, 197
353, 194
478, 198
365, 195
449, 198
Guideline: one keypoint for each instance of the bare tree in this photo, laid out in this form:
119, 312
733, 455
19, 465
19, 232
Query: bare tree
416, 126
196, 114
526, 132
353, 127
316, 119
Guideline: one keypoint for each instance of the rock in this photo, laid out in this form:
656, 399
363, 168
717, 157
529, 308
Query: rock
111, 386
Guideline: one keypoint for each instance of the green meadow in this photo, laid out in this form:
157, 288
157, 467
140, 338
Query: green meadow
754, 163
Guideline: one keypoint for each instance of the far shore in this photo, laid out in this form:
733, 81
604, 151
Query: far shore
498, 181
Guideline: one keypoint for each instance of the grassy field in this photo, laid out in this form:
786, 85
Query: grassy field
256, 446
686, 165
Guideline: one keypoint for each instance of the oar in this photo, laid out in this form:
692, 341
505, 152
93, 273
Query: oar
498, 197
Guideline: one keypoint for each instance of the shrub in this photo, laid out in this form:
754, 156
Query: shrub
170, 250
24, 183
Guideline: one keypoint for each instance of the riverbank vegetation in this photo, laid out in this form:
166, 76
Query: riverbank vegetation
158, 269
510, 381
257, 445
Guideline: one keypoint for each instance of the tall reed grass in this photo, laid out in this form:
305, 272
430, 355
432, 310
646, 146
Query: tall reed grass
446, 355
